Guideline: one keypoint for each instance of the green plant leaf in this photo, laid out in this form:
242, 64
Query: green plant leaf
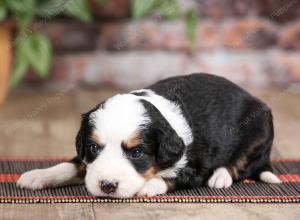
33, 51
78, 9
20, 66
168, 9
23, 11
141, 8
3, 11
38, 52
22, 6
50, 8
191, 19
23, 22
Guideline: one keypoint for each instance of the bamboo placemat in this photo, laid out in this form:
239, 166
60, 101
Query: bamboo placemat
241, 192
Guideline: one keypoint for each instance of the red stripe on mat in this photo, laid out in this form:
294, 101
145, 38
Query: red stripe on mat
8, 178
5, 178
47, 159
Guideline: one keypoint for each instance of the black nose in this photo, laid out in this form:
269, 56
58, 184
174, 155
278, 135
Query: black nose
108, 187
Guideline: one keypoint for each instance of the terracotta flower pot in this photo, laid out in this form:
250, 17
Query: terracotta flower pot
5, 60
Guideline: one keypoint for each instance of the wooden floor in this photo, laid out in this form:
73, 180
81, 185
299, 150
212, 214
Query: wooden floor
35, 123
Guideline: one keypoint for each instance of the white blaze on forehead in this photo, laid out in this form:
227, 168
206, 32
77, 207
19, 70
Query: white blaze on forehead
121, 116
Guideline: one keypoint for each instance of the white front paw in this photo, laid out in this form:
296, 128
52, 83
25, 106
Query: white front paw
220, 179
34, 179
154, 187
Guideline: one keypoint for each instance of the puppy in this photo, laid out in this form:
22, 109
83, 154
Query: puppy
182, 132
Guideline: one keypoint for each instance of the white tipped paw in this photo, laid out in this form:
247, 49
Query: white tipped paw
34, 179
220, 179
153, 187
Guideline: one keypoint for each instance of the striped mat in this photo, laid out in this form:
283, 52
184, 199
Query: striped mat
243, 192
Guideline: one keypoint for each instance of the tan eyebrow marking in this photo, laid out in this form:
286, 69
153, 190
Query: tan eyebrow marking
132, 141
95, 138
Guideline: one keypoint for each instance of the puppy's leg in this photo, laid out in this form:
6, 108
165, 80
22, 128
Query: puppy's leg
67, 173
153, 187
221, 178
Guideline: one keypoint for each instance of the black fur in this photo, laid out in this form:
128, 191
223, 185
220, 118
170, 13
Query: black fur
83, 133
161, 146
228, 124
168, 146
80, 167
83, 136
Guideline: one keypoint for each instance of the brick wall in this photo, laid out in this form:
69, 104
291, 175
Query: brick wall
254, 43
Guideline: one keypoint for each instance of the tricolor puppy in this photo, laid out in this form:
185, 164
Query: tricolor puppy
182, 132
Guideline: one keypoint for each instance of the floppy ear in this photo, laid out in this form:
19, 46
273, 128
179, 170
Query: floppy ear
82, 135
85, 130
170, 146
80, 144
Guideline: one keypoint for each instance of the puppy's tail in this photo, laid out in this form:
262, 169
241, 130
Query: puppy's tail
269, 177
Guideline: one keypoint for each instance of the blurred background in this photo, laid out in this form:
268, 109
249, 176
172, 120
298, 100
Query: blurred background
60, 58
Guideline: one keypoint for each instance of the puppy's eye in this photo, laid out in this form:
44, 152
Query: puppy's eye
135, 153
94, 148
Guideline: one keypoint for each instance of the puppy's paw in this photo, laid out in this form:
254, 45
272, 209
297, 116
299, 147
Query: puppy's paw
220, 179
154, 187
34, 179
